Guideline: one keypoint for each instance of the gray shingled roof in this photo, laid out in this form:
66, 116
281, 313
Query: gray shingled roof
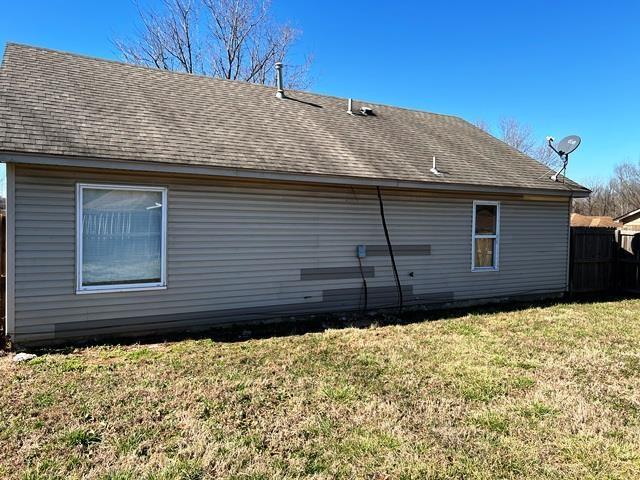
57, 103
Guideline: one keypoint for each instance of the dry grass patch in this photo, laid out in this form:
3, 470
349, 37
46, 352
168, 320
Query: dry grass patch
542, 392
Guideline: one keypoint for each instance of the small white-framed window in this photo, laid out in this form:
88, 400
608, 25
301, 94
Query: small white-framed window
121, 238
485, 243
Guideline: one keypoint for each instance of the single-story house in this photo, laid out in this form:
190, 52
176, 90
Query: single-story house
630, 220
141, 200
593, 221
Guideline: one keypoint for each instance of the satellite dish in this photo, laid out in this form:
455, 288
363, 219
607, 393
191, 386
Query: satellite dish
568, 144
563, 149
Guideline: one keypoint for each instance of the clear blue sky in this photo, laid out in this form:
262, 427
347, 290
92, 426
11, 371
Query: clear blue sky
561, 67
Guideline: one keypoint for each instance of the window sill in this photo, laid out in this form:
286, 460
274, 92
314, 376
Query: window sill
485, 269
120, 289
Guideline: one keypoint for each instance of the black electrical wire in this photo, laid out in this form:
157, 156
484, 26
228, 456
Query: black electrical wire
364, 284
390, 247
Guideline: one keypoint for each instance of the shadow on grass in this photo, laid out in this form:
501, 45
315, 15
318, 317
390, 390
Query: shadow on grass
320, 323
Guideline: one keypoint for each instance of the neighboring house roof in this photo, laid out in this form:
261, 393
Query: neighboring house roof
56, 103
578, 220
629, 216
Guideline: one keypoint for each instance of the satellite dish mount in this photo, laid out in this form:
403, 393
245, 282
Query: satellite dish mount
563, 148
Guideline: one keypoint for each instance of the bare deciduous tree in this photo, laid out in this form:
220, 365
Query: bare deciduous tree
516, 134
521, 137
165, 38
483, 125
546, 156
232, 39
627, 181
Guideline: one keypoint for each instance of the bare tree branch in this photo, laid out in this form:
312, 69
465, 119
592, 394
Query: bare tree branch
233, 39
517, 135
521, 137
483, 125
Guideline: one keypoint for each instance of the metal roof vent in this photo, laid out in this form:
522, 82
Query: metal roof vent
366, 111
280, 91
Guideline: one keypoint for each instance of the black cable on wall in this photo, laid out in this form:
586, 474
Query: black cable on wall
390, 247
364, 284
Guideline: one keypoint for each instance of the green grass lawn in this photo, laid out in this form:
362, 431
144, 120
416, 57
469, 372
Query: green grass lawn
540, 392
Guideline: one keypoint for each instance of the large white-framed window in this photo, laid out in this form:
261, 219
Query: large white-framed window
121, 238
485, 235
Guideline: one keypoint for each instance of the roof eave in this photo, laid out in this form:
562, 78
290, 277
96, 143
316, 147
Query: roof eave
627, 215
190, 169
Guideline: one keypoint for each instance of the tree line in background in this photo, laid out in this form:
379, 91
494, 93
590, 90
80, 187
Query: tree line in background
615, 197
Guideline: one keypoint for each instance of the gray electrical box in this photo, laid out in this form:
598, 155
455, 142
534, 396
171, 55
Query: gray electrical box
361, 251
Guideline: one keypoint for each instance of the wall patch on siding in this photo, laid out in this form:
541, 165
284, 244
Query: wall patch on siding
378, 297
384, 296
398, 250
336, 273
438, 297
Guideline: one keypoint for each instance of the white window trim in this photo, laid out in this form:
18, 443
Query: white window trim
126, 287
496, 259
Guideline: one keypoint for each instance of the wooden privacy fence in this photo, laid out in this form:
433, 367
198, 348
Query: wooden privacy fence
604, 259
628, 261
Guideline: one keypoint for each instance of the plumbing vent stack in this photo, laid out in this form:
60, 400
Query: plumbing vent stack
350, 106
434, 169
280, 91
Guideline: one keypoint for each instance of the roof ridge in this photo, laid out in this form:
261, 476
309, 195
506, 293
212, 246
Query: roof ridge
224, 80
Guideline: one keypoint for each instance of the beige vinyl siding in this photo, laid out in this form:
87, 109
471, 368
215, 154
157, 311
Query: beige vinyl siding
236, 250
